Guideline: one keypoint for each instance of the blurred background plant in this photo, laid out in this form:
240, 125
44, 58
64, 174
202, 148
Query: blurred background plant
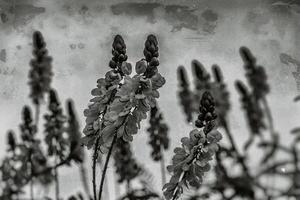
235, 177
33, 159
204, 167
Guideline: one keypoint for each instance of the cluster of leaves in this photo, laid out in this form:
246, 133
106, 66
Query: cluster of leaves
158, 132
191, 161
26, 162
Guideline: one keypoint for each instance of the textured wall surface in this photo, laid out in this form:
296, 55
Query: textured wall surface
79, 36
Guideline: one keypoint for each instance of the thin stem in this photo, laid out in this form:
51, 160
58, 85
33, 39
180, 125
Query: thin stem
128, 187
31, 171
272, 131
176, 192
83, 175
162, 167
95, 157
106, 165
180, 179
31, 190
117, 187
56, 181
272, 168
106, 196
240, 158
269, 116
37, 114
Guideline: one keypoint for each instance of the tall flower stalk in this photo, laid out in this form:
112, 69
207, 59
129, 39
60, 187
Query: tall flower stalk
121, 101
185, 95
159, 140
191, 161
26, 163
57, 144
76, 151
28, 130
126, 166
40, 73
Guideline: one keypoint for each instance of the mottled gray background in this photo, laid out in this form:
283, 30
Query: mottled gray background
79, 36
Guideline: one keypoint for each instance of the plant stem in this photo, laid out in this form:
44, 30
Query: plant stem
31, 171
269, 116
175, 195
117, 187
235, 149
162, 167
83, 175
106, 190
31, 190
272, 130
37, 115
183, 174
105, 166
56, 181
95, 157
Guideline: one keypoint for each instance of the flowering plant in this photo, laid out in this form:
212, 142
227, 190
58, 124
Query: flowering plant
121, 101
191, 161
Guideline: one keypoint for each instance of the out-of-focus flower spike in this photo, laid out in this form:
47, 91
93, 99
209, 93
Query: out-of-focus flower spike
38, 40
182, 77
53, 97
40, 74
70, 106
126, 166
241, 88
253, 111
247, 56
11, 140
27, 118
185, 95
74, 133
200, 73
158, 132
217, 73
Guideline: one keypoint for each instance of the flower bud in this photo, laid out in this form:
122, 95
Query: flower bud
154, 62
141, 67
112, 64
126, 68
111, 76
